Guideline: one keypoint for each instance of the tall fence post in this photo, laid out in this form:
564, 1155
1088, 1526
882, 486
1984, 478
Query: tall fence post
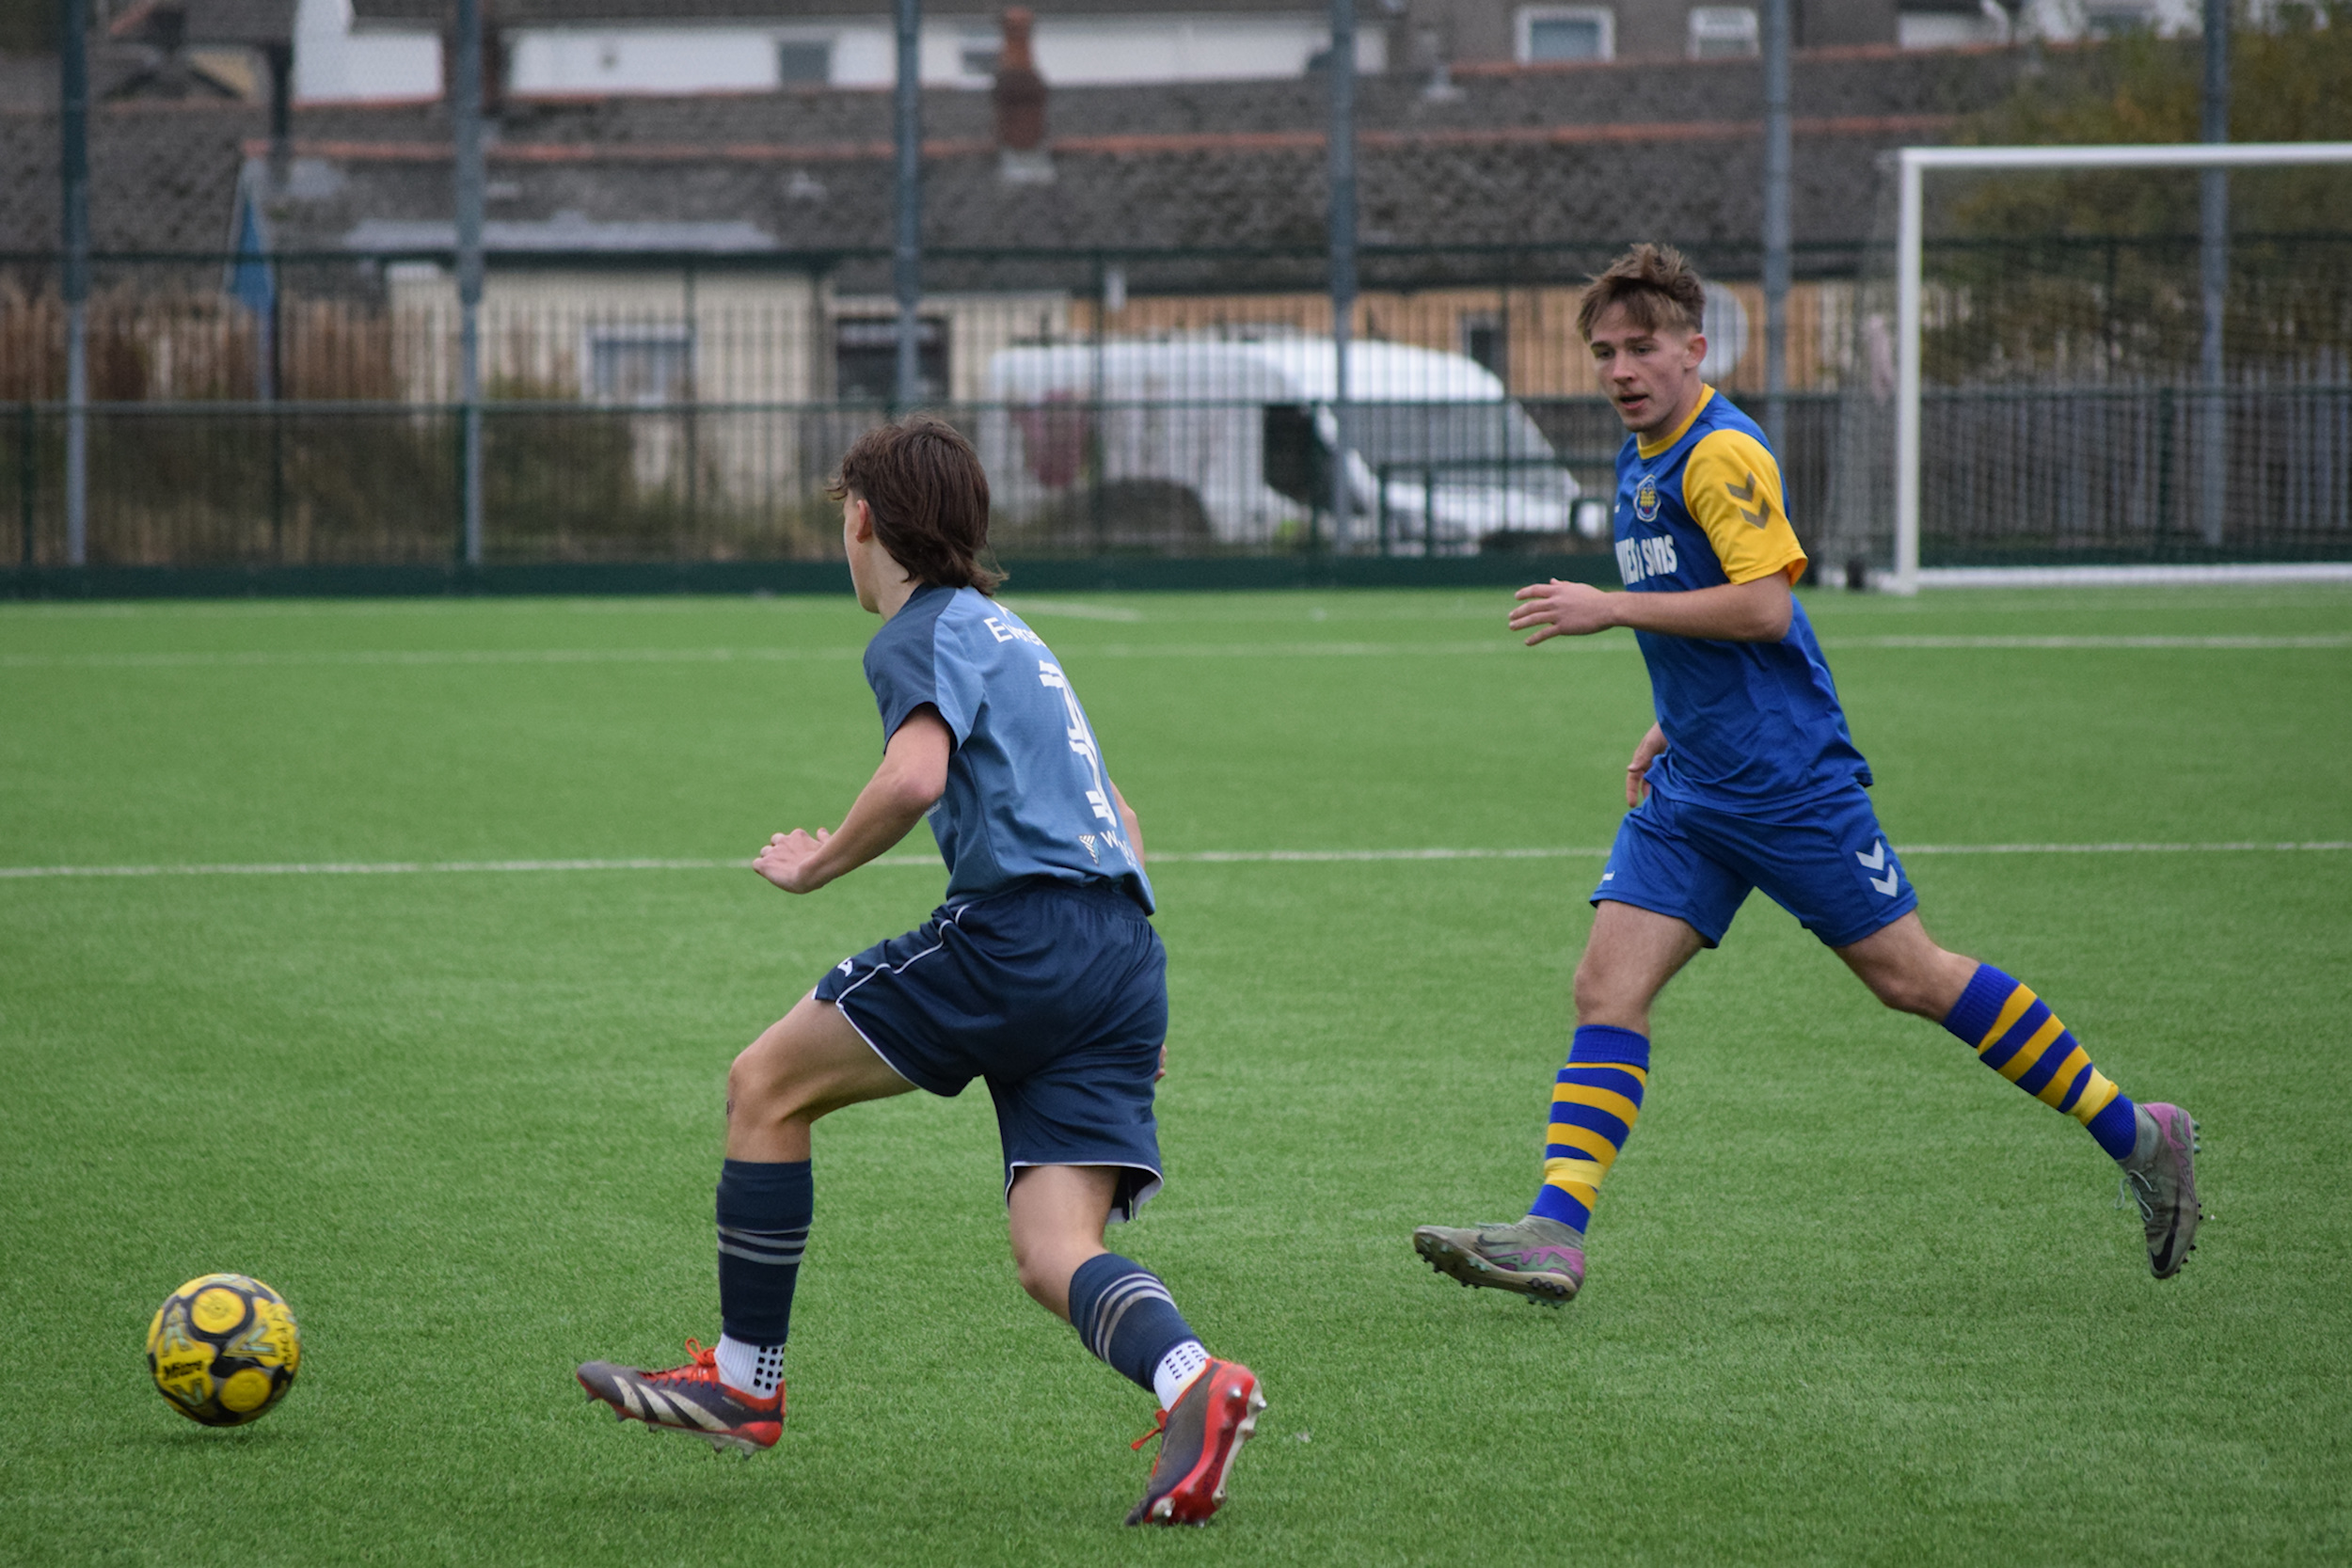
1776, 225
272, 367
1343, 164
2213, 192
27, 485
466, 119
74, 176
906, 260
693, 391
1094, 422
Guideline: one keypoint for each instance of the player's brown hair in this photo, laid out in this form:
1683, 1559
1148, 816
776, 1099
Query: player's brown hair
1657, 286
928, 496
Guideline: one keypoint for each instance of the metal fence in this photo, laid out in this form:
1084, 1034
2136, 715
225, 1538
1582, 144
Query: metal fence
370, 484
301, 409
2115, 473
2065, 411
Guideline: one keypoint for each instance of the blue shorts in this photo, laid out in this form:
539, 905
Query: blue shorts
1056, 993
1826, 862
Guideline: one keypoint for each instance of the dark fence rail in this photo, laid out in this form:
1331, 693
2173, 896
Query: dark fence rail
2107, 474
2009, 476
206, 484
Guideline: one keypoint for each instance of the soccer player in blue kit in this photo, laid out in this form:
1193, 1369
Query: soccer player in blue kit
1040, 972
1748, 780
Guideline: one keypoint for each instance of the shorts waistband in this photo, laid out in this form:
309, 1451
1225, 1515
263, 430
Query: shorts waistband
1101, 889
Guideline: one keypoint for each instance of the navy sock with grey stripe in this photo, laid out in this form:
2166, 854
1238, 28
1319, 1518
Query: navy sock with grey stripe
1125, 1316
764, 1210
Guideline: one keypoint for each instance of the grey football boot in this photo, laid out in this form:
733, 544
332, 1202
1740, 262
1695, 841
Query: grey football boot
2160, 1179
1539, 1258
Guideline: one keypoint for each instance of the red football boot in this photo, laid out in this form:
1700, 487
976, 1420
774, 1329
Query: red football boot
689, 1398
1198, 1440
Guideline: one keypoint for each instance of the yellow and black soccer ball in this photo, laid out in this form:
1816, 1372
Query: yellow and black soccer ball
223, 1349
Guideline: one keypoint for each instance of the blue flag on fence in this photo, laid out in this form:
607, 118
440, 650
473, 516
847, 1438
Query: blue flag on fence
251, 279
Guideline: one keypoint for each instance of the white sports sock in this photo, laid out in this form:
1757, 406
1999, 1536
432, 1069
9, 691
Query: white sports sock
754, 1370
1176, 1371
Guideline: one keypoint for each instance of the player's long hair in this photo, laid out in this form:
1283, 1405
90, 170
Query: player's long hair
1657, 286
928, 496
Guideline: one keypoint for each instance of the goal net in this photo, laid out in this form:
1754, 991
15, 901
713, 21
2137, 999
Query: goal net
2057, 368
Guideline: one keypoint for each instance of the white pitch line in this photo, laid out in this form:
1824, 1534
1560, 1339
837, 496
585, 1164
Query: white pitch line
1194, 857
1071, 608
2235, 847
421, 656
257, 659
464, 656
376, 868
2319, 640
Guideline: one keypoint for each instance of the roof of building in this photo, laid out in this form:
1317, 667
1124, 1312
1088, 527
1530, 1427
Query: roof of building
666, 13
1577, 156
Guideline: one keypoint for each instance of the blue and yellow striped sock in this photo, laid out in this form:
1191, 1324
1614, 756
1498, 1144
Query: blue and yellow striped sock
1593, 1106
2014, 1032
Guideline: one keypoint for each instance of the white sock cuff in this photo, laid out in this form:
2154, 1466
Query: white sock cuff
754, 1370
1176, 1371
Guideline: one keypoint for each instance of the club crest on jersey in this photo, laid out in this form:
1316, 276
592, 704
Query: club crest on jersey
1645, 500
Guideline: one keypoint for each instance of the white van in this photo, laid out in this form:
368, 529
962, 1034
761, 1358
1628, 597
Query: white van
1441, 456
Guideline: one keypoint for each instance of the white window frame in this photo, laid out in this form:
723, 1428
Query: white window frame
1726, 22
627, 334
1523, 27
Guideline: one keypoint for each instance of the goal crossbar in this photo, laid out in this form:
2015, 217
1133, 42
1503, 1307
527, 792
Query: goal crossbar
1910, 258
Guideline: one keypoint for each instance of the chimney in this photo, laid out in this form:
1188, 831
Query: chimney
1021, 157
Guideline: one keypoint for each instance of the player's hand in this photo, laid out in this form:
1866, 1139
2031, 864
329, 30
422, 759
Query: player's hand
1651, 747
785, 860
1557, 609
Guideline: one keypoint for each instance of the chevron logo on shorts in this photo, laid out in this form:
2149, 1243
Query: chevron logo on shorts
1875, 859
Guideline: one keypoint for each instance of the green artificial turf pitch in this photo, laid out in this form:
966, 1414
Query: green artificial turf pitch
1853, 1299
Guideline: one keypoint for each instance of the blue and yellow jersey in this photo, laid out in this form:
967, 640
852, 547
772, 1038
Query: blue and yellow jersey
1747, 724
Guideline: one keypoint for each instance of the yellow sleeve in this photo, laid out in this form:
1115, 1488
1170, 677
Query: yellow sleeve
1731, 488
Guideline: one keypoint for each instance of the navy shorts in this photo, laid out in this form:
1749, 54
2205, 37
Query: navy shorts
1056, 993
1826, 862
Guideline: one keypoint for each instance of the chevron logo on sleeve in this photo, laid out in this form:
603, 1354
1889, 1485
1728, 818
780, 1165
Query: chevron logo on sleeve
1746, 493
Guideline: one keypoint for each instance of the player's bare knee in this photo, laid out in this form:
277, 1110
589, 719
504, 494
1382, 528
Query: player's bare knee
758, 1093
1912, 990
1041, 1283
1045, 1269
1603, 998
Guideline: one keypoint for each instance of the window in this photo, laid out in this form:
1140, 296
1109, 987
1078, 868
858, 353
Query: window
638, 364
1567, 33
1483, 340
978, 52
1297, 461
1720, 31
804, 62
865, 358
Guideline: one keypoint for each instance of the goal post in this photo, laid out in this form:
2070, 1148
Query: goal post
1914, 165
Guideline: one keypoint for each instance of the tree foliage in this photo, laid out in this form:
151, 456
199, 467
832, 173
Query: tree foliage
2290, 80
2093, 276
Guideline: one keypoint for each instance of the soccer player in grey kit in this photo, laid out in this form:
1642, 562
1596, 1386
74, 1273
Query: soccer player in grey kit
1040, 972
